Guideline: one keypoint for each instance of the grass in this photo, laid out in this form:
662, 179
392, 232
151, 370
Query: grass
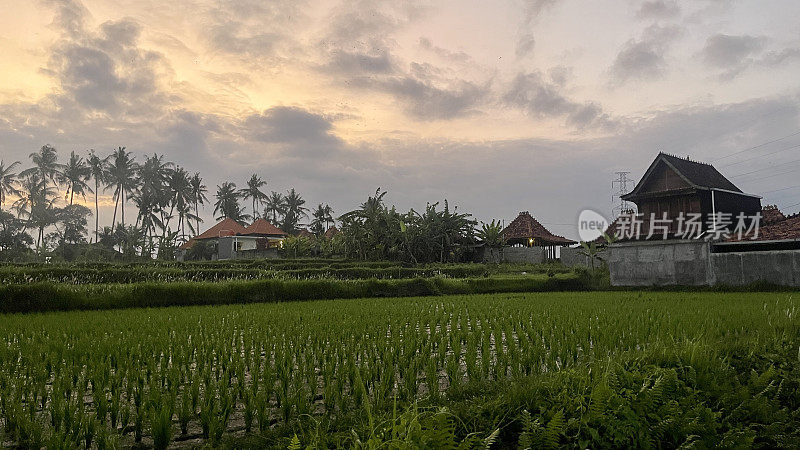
572, 369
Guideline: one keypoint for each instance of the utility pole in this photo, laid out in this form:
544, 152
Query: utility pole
621, 184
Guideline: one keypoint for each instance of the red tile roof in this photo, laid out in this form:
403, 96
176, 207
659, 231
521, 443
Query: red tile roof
788, 228
226, 227
305, 233
262, 227
525, 227
332, 231
771, 214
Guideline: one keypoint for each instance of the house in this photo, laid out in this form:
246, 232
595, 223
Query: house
765, 250
231, 240
525, 231
331, 232
673, 187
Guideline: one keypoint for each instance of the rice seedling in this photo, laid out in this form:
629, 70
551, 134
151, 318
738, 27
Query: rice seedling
709, 365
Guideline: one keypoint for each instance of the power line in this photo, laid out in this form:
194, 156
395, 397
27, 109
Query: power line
781, 189
767, 168
757, 146
748, 121
761, 156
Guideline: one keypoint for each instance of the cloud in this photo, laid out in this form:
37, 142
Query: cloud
423, 100
525, 45
105, 71
289, 124
531, 10
733, 54
70, 16
356, 63
447, 55
644, 58
725, 51
540, 98
659, 9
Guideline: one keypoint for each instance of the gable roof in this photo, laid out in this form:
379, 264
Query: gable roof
525, 227
697, 174
332, 231
262, 227
225, 227
304, 233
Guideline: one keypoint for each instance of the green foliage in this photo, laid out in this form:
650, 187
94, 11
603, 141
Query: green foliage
48, 297
583, 370
377, 232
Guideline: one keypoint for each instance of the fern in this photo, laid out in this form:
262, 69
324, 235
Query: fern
491, 439
555, 428
294, 444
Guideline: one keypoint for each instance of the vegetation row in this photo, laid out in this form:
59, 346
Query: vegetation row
35, 297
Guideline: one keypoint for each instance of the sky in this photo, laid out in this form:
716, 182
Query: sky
498, 107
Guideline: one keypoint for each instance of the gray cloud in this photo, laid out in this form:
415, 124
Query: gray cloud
659, 9
353, 63
531, 10
456, 57
293, 125
69, 16
540, 98
733, 54
644, 58
525, 45
725, 51
105, 71
423, 100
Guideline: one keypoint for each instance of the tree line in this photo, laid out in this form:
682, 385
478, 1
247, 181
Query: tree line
167, 201
166, 197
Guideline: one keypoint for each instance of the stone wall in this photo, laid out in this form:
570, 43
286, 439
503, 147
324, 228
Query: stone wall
572, 257
691, 263
780, 267
514, 255
673, 262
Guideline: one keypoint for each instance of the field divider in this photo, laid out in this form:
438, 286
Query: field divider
40, 297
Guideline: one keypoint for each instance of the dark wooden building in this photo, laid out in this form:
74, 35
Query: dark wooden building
675, 185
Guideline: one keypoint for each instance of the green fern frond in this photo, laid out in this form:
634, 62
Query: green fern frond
295, 443
555, 428
491, 439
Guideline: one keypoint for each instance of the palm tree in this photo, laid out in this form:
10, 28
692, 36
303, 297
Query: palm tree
198, 196
122, 170
253, 191
323, 215
275, 204
46, 165
8, 181
180, 188
98, 171
36, 202
227, 203
75, 175
294, 211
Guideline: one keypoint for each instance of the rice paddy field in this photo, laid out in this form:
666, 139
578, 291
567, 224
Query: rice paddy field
523, 370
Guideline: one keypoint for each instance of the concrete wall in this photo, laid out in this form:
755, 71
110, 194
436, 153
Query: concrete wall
682, 262
691, 263
780, 267
514, 255
225, 248
572, 257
